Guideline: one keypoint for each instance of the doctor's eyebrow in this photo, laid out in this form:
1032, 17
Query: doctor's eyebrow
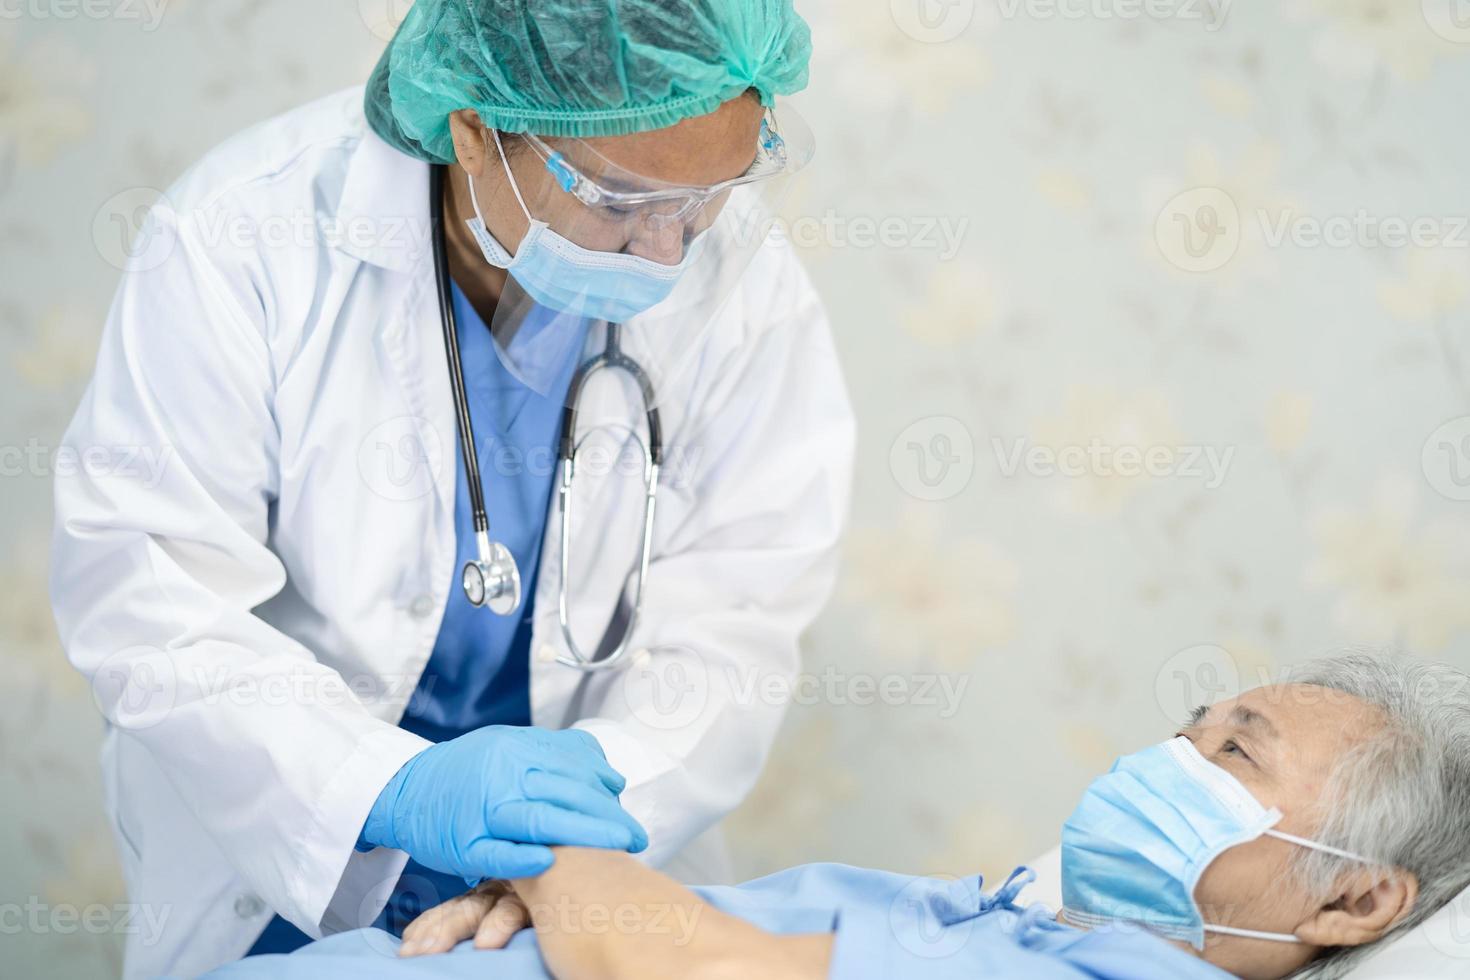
1196, 716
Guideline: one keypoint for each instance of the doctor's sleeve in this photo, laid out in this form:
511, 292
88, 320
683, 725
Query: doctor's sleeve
155, 577
745, 562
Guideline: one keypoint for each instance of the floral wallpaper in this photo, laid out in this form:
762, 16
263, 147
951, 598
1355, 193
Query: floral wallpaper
1157, 321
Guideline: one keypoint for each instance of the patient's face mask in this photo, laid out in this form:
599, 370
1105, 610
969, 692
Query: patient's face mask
1143, 834
563, 276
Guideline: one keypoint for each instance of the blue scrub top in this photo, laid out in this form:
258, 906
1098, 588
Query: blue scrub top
479, 671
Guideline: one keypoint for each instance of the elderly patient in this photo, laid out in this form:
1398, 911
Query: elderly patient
1282, 833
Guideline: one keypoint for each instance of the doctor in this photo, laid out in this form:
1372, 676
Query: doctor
497, 488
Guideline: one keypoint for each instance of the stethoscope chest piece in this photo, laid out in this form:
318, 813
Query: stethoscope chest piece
493, 579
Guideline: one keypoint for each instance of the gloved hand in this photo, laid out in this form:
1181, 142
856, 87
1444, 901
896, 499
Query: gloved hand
489, 803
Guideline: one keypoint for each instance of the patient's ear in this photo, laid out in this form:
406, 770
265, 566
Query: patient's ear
1370, 905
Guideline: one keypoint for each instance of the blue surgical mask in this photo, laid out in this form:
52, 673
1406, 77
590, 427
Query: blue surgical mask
563, 276
1143, 834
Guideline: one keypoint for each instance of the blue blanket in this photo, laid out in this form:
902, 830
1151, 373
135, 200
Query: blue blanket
885, 925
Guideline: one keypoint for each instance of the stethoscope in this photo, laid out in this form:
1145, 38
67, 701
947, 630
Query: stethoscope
493, 579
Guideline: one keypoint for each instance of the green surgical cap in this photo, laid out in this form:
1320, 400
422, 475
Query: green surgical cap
578, 67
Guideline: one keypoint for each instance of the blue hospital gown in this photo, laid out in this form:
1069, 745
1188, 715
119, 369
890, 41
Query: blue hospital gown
885, 925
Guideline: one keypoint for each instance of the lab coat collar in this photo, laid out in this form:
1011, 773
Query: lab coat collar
383, 213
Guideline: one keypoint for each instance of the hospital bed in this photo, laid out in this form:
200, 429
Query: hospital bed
1437, 950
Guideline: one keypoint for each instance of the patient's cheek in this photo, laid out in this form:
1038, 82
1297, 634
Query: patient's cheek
1231, 885
1247, 886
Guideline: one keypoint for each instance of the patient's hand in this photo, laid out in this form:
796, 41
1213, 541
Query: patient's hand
492, 913
600, 915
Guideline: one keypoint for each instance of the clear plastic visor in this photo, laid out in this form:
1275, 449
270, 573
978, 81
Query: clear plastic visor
783, 145
700, 239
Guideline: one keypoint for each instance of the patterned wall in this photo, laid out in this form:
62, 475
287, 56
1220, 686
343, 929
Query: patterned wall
1156, 321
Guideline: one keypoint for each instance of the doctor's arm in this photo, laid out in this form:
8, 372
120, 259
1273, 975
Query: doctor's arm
156, 578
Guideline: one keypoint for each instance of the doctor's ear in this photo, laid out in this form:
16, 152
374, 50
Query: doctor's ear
470, 140
1369, 905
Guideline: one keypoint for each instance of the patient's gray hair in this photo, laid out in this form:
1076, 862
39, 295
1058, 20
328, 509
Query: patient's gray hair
1401, 796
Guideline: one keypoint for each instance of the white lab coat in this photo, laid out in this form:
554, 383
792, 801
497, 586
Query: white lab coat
272, 593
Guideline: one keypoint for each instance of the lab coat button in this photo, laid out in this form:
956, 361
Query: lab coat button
421, 606
546, 654
248, 906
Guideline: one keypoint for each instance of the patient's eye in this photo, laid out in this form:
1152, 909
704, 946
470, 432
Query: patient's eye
1232, 746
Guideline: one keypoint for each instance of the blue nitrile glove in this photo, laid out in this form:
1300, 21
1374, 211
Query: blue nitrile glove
489, 803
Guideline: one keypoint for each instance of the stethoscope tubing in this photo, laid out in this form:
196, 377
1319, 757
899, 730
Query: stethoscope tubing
612, 358
451, 348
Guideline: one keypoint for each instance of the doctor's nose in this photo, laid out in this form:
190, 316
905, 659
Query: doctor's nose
664, 245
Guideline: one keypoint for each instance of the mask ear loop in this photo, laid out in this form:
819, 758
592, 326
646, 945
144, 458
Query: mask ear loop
1282, 937
1273, 937
515, 187
1315, 846
505, 165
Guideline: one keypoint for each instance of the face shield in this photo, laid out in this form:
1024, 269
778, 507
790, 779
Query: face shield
604, 244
